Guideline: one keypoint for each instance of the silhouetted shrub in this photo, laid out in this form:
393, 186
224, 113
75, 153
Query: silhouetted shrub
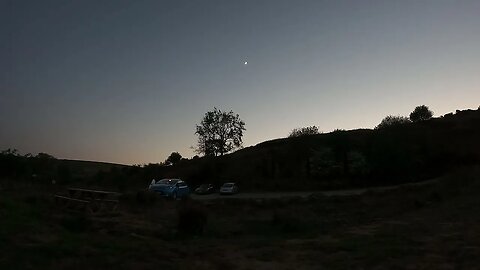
357, 163
297, 132
323, 163
392, 120
191, 219
421, 113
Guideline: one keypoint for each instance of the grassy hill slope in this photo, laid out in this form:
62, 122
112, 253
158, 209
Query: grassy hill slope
356, 158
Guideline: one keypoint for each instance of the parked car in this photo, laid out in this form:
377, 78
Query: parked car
229, 188
205, 189
171, 188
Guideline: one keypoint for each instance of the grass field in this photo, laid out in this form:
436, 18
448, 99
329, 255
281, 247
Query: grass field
432, 226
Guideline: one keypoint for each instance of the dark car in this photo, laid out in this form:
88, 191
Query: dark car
205, 189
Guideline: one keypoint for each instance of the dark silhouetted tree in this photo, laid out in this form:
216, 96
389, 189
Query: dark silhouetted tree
219, 133
421, 113
392, 120
174, 158
304, 131
10, 152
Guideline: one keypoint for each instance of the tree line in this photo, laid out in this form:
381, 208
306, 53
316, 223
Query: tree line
220, 132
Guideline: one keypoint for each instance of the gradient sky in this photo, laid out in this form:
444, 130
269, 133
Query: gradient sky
127, 81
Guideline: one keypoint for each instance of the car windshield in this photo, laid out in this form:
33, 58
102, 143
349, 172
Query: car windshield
170, 182
228, 185
204, 186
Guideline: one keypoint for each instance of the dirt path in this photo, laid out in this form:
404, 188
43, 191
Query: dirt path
302, 194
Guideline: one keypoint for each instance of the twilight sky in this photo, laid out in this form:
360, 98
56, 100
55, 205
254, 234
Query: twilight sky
127, 81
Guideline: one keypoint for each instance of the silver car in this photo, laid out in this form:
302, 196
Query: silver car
229, 188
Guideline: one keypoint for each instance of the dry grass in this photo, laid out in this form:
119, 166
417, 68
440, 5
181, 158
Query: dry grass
419, 227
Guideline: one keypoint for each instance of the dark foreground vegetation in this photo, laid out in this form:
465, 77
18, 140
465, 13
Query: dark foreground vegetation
428, 226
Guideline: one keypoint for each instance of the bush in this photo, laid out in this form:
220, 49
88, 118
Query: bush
191, 219
421, 113
297, 132
393, 120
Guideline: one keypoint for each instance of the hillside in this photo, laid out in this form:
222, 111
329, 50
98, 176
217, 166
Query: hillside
335, 160
341, 159
46, 168
84, 168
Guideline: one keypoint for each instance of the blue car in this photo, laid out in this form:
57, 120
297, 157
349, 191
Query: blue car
171, 188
